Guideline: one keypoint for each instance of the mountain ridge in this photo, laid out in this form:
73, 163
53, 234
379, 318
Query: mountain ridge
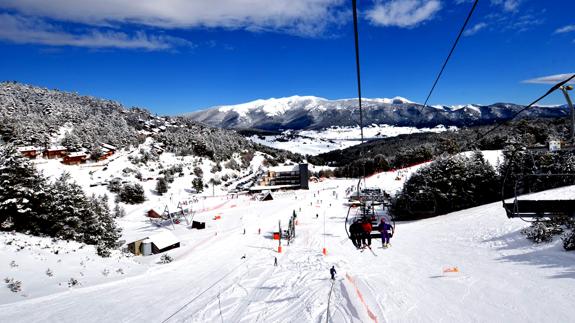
314, 113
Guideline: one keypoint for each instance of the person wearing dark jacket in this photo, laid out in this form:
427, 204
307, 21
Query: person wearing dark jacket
332, 272
355, 232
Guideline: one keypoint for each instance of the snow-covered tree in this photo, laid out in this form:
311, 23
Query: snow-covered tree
22, 194
132, 194
162, 185
450, 183
29, 204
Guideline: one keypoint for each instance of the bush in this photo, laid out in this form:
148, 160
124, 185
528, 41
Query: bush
162, 185
73, 282
165, 259
119, 211
198, 172
115, 185
103, 251
539, 232
15, 286
232, 164
569, 241
198, 184
132, 194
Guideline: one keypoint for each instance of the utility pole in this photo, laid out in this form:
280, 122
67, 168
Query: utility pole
564, 89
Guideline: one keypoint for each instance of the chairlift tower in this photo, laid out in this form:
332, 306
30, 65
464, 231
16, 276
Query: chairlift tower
565, 90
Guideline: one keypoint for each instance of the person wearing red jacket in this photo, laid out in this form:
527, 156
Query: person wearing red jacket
366, 226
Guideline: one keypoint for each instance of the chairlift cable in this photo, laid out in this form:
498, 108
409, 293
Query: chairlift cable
551, 90
451, 52
357, 67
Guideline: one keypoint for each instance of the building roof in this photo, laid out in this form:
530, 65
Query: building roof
162, 239
77, 154
272, 187
109, 147
279, 169
28, 148
56, 148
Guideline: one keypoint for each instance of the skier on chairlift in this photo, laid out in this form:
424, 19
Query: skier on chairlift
355, 233
366, 226
386, 233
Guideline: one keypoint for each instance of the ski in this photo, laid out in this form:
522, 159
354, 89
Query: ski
371, 250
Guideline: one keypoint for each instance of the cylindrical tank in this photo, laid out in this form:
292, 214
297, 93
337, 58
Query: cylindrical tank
146, 247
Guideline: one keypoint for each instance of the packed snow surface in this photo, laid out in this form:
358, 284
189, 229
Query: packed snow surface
222, 274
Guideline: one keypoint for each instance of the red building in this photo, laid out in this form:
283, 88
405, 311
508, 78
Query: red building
55, 152
30, 152
75, 158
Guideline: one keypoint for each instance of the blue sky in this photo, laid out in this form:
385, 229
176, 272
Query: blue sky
176, 56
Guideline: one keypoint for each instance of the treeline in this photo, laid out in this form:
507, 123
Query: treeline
30, 204
448, 184
34, 116
406, 150
452, 183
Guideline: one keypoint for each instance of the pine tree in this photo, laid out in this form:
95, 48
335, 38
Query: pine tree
132, 194
162, 185
198, 184
22, 193
119, 212
69, 210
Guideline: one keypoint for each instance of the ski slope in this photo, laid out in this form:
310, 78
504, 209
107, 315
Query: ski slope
502, 277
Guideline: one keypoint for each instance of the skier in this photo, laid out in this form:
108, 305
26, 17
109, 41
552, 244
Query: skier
332, 272
366, 226
386, 233
316, 215
355, 231
275, 261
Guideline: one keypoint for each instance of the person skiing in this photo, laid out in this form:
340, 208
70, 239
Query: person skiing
275, 261
386, 233
366, 226
332, 272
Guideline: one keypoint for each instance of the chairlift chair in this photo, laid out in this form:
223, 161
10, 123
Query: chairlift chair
422, 204
372, 211
533, 207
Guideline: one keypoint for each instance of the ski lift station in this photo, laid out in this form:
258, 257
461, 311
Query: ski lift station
157, 243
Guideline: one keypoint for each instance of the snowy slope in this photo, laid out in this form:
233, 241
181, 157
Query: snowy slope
502, 277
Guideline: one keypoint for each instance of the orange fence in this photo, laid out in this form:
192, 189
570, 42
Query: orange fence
360, 296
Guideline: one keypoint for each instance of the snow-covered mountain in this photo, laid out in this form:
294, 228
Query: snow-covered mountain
312, 113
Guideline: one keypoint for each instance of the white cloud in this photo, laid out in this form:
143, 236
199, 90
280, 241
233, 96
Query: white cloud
475, 29
508, 5
25, 30
403, 13
305, 17
551, 79
565, 29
